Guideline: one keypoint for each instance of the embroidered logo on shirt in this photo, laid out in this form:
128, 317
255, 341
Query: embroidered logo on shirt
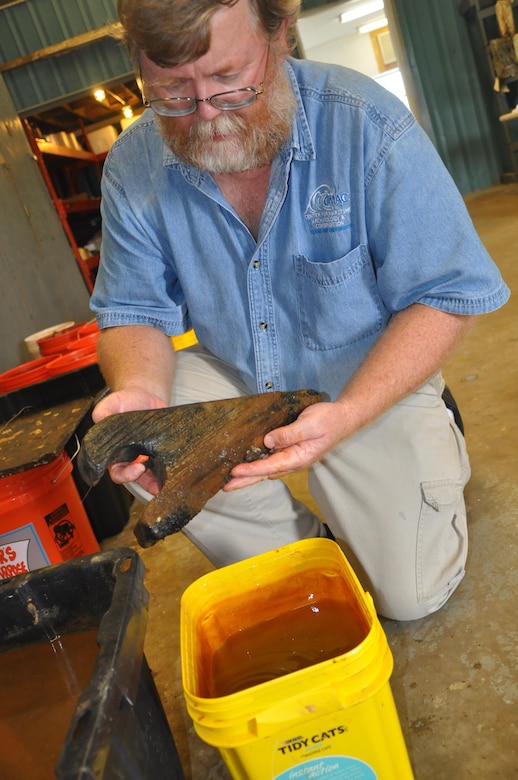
328, 210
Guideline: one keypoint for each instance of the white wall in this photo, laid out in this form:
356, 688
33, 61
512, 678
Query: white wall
351, 51
325, 39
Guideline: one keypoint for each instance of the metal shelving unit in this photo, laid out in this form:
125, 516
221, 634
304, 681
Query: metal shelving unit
63, 170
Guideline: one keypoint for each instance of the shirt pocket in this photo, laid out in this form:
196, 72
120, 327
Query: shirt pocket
338, 302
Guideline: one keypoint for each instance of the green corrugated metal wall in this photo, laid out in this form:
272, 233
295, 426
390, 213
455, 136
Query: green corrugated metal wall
31, 25
455, 101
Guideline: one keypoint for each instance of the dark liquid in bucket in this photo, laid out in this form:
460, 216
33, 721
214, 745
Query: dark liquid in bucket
40, 684
301, 637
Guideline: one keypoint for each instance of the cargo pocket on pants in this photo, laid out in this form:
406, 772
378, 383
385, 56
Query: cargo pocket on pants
442, 540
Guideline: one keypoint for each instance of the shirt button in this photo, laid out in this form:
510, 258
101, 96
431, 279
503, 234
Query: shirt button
263, 325
257, 263
269, 385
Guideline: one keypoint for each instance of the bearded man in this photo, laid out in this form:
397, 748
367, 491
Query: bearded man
299, 219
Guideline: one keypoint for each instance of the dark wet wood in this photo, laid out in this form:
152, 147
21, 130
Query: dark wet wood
192, 450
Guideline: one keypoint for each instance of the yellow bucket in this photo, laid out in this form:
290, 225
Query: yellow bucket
285, 669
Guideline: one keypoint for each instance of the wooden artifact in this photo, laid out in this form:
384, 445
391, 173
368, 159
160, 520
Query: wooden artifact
191, 450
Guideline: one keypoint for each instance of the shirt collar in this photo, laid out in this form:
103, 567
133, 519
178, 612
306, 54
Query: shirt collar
301, 139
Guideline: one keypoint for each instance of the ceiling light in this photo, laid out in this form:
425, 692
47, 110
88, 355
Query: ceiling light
362, 9
100, 95
371, 26
127, 111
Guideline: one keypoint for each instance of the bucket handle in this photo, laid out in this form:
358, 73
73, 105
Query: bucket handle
71, 458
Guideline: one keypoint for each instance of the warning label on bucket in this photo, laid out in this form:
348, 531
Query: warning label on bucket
331, 767
64, 532
21, 551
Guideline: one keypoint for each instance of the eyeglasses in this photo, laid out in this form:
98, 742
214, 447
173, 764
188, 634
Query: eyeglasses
224, 101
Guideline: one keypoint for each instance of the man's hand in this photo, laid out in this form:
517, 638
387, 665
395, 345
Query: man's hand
129, 400
297, 446
415, 345
137, 362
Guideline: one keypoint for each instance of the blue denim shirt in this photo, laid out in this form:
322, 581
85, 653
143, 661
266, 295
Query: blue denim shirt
361, 220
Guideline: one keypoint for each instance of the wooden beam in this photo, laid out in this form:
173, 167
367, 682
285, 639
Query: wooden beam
64, 47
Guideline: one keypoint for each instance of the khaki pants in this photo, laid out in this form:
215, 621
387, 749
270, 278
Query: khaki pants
392, 495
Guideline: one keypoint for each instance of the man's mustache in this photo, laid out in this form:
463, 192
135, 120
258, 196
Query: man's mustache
223, 124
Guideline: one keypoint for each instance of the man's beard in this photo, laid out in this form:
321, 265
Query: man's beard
246, 144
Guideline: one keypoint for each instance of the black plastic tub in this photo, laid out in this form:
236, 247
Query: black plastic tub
118, 729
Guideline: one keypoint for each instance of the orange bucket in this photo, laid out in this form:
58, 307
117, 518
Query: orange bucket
42, 519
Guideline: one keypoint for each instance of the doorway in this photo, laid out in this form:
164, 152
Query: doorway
355, 34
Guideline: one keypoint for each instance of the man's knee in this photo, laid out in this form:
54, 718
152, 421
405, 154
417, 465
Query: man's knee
405, 606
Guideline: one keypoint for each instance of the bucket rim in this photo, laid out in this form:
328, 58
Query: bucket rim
369, 664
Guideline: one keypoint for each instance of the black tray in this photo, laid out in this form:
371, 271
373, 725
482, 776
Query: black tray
119, 729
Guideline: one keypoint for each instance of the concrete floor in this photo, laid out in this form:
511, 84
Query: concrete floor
455, 680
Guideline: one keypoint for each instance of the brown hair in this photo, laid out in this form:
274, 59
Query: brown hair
173, 32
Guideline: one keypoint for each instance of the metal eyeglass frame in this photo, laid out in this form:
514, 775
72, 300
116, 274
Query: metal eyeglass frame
164, 107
